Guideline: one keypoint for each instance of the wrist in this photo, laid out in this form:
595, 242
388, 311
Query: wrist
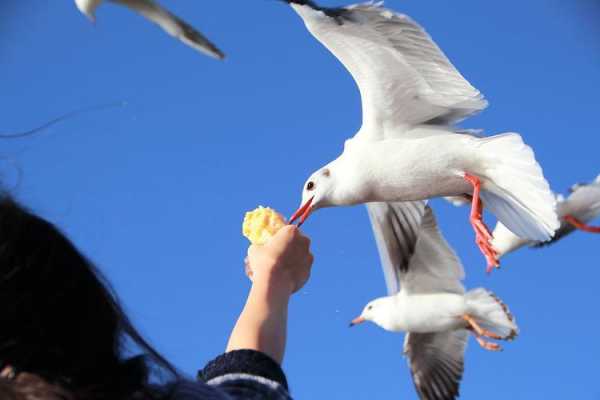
275, 287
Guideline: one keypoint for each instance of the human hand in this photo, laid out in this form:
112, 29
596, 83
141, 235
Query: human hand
284, 262
8, 372
277, 269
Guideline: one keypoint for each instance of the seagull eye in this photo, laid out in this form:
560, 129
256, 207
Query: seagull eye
369, 308
310, 185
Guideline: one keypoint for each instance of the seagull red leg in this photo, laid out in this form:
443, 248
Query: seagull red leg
478, 332
490, 256
491, 346
482, 233
473, 326
581, 225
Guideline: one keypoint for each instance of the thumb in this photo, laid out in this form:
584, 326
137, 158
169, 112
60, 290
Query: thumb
252, 249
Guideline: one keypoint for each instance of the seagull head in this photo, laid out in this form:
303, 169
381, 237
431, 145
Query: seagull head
316, 194
380, 311
88, 8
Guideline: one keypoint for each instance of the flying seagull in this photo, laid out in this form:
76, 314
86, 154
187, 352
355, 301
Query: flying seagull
427, 300
575, 212
170, 23
408, 147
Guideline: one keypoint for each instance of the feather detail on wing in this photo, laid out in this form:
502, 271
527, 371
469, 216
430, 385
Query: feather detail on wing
436, 361
403, 76
174, 26
396, 227
414, 255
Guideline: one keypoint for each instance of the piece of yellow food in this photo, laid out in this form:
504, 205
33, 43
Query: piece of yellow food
261, 224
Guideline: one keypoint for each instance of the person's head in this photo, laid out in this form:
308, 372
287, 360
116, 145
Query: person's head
31, 387
58, 318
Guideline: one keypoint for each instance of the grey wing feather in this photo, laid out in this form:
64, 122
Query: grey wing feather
404, 78
396, 228
190, 36
414, 254
174, 26
436, 362
434, 267
583, 203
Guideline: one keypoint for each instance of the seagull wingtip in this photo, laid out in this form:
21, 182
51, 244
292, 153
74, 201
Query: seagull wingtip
218, 56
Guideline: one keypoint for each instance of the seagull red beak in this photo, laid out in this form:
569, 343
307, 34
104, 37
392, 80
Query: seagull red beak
303, 212
357, 321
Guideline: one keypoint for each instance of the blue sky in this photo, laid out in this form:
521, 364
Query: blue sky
155, 192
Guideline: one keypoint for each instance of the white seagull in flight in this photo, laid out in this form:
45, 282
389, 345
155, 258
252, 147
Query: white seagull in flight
427, 300
408, 147
170, 23
575, 212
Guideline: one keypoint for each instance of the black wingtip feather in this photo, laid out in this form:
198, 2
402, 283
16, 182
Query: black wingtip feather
337, 13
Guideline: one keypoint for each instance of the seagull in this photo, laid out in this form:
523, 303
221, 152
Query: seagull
408, 147
427, 300
575, 211
170, 23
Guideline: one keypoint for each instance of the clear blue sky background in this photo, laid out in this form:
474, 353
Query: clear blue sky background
155, 192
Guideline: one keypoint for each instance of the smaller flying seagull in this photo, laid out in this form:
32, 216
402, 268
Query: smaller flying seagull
170, 23
575, 212
409, 147
427, 300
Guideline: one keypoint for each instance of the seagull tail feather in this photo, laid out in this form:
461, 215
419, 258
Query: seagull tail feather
514, 188
505, 241
491, 313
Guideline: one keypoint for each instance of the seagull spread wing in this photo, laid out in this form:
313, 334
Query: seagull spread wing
403, 76
415, 256
173, 25
436, 361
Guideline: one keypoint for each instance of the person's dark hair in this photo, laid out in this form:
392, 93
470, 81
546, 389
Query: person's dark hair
58, 317
31, 387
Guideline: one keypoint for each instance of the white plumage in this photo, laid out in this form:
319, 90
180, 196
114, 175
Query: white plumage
408, 147
403, 76
427, 299
583, 204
